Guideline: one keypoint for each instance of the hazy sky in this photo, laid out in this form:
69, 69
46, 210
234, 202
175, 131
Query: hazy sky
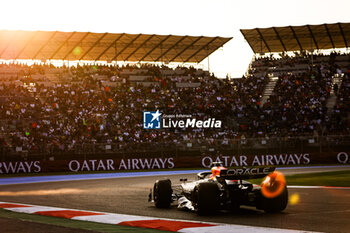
179, 17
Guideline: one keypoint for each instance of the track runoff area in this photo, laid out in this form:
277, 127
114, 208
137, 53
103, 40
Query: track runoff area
121, 199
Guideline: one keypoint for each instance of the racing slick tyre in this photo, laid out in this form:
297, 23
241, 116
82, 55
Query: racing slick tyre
276, 204
207, 198
235, 201
162, 193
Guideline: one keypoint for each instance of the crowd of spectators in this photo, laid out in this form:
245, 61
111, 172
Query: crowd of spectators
300, 62
298, 103
339, 116
45, 108
80, 109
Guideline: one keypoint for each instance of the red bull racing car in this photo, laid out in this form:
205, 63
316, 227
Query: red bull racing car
223, 188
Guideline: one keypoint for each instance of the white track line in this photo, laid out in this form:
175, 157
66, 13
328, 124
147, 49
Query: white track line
33, 209
112, 218
236, 229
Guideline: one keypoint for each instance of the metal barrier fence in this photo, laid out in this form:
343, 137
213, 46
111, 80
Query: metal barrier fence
250, 146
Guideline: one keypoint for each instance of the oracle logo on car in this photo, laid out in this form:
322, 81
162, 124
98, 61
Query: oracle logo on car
250, 171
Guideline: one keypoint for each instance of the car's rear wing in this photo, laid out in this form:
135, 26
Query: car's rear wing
245, 173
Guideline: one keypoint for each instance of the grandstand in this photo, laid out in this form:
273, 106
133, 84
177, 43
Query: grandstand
295, 101
56, 45
304, 83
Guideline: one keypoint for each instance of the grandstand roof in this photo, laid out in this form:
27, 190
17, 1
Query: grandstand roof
296, 38
58, 45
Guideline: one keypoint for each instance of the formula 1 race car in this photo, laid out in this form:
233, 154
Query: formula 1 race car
224, 189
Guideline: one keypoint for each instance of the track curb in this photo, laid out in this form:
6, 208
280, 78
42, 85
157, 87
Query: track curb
164, 224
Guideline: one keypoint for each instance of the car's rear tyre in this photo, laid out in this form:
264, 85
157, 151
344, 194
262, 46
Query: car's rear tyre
276, 204
235, 201
207, 198
162, 193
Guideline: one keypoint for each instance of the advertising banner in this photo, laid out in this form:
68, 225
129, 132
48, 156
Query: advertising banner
156, 163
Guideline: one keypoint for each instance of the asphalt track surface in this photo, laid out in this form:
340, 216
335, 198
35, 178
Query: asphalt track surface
324, 210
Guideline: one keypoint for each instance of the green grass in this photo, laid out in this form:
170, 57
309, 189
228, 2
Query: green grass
98, 227
338, 178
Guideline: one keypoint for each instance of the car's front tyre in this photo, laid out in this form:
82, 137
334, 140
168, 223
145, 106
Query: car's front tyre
162, 193
207, 198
